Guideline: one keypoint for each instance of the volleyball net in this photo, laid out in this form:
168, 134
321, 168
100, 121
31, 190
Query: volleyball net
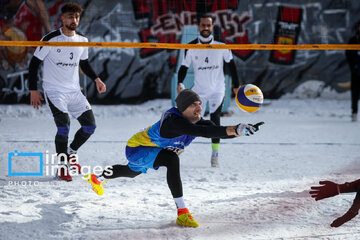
183, 45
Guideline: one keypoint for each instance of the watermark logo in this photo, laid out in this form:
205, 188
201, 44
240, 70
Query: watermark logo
38, 157
36, 164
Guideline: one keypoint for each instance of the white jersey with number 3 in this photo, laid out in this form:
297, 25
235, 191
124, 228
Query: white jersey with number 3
208, 68
61, 64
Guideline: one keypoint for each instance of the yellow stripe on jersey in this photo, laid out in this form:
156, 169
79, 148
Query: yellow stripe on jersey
141, 139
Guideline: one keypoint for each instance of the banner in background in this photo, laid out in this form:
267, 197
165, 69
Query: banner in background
287, 31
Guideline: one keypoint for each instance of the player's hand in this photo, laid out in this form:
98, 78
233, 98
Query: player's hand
236, 89
244, 129
247, 129
350, 214
35, 99
100, 86
180, 87
328, 189
257, 126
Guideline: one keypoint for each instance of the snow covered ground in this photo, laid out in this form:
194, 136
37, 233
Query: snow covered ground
260, 190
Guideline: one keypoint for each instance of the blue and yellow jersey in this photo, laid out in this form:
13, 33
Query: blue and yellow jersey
150, 137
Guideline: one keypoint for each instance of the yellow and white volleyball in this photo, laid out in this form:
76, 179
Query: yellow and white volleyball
249, 98
15, 53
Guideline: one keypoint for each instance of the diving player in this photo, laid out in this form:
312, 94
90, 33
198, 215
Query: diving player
161, 144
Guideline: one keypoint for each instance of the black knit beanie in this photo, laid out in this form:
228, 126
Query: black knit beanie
185, 98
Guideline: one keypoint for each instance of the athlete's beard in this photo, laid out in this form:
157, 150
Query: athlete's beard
71, 26
194, 119
202, 33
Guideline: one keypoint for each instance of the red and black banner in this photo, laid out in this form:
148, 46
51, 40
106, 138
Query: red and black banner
287, 31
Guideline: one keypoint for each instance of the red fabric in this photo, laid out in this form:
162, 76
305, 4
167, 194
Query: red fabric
290, 14
182, 211
94, 179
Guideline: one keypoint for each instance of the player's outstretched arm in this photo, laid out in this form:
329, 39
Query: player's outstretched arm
330, 189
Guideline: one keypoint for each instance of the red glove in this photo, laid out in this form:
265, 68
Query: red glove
328, 189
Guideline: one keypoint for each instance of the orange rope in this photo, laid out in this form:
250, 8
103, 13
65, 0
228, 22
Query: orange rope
185, 46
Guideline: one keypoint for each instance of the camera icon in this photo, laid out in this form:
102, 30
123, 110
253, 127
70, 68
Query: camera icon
31, 164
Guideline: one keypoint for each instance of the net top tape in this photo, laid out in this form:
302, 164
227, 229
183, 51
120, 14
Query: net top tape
184, 46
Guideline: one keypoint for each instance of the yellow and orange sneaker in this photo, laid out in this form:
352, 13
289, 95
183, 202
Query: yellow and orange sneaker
185, 219
95, 183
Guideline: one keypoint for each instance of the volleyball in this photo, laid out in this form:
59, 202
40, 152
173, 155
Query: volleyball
249, 98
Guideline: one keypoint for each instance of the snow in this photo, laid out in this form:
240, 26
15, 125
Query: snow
260, 190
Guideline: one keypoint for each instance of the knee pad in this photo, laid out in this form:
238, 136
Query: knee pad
87, 121
63, 131
62, 122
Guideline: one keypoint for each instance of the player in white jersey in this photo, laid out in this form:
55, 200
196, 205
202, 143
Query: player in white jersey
62, 89
209, 79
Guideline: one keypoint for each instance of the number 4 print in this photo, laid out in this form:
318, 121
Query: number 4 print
206, 60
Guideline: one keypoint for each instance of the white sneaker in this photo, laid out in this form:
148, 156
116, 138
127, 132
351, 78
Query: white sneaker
70, 151
214, 161
354, 117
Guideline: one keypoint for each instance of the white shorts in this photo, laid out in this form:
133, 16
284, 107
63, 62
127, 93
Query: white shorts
73, 103
214, 100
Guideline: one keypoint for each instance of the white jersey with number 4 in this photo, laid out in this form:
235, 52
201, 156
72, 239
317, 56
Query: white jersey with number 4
61, 64
208, 68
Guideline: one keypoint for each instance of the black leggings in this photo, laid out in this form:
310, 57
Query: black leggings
88, 126
355, 92
165, 158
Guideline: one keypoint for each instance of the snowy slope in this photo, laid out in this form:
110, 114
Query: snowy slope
260, 190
